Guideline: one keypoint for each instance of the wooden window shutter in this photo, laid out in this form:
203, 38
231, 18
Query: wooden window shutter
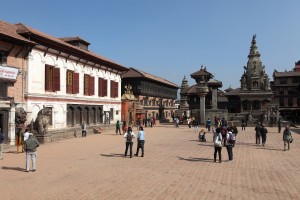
92, 86
116, 89
104, 87
100, 87
56, 79
69, 81
111, 88
48, 81
76, 83
86, 84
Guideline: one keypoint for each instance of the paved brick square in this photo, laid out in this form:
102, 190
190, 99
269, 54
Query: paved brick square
175, 166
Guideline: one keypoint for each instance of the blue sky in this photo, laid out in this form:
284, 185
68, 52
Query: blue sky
173, 38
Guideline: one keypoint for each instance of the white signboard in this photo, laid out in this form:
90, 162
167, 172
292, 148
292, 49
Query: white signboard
8, 72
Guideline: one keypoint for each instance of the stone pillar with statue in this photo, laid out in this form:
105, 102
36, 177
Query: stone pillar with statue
202, 91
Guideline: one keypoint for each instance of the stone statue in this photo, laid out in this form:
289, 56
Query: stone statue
40, 126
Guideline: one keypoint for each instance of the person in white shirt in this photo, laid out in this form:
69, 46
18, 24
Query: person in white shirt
26, 134
129, 135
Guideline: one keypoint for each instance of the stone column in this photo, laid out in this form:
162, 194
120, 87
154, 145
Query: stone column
214, 98
12, 125
242, 106
202, 90
202, 109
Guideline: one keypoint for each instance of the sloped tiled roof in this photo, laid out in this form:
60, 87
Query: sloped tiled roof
68, 39
23, 29
233, 92
135, 73
9, 30
284, 74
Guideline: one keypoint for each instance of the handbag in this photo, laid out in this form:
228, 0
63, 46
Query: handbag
218, 142
291, 140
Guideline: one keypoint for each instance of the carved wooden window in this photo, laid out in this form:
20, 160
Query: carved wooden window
52, 78
3, 57
102, 87
3, 90
72, 82
114, 89
89, 85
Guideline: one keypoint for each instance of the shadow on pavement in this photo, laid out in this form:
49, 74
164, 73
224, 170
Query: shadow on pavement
13, 168
196, 159
13, 152
270, 149
206, 144
112, 155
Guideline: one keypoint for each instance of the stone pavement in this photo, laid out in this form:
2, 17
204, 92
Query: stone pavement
175, 166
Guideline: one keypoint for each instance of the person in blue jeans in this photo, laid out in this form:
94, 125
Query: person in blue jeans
129, 135
229, 143
141, 141
208, 124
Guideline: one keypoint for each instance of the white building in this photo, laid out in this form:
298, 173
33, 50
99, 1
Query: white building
75, 84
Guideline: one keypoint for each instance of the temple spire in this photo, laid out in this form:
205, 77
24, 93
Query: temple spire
253, 49
184, 83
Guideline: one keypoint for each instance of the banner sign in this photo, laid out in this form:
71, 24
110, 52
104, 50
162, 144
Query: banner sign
8, 72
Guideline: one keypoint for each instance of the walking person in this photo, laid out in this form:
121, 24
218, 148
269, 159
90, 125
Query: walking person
263, 133
217, 144
196, 124
129, 135
230, 142
118, 128
30, 148
140, 141
208, 124
83, 129
287, 138
279, 125
1, 144
243, 124
257, 133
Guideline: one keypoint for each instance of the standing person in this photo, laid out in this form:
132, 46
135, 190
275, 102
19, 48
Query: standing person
83, 127
257, 133
154, 121
263, 133
30, 148
224, 122
124, 127
224, 133
279, 125
217, 144
25, 137
141, 141
1, 144
138, 124
129, 135
287, 137
243, 124
208, 124
118, 128
229, 143
189, 122
196, 124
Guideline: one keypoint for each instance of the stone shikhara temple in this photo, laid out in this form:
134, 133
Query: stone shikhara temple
252, 101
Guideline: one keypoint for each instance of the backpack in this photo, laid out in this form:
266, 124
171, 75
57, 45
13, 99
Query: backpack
231, 138
129, 137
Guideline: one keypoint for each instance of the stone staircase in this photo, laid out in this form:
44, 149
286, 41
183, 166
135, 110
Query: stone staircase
236, 118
